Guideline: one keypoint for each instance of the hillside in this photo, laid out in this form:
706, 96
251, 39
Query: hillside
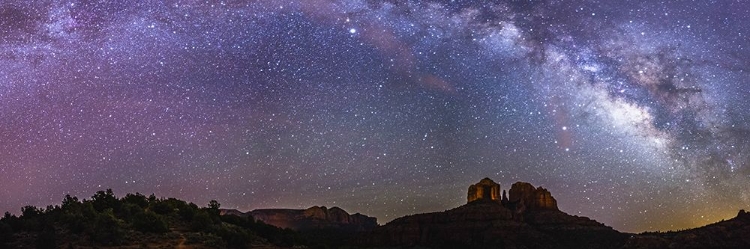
527, 217
137, 221
733, 233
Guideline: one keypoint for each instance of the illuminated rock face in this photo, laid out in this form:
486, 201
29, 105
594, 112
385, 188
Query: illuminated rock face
486, 189
522, 195
529, 197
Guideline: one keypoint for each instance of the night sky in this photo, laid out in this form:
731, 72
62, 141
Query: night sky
633, 113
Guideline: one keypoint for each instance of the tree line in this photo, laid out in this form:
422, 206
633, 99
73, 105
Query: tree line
105, 220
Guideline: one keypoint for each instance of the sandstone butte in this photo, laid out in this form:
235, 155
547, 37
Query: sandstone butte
523, 217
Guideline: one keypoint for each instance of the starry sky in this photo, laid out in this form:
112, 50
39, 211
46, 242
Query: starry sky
633, 113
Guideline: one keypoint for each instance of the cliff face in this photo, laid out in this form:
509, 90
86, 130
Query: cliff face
523, 196
486, 189
314, 218
530, 197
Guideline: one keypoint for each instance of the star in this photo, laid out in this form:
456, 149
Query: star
628, 112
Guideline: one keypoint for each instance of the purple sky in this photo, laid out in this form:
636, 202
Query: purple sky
633, 113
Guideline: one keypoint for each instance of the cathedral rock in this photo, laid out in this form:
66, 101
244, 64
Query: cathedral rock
535, 198
523, 195
486, 189
523, 217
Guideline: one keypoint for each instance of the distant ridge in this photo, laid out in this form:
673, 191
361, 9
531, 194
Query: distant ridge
522, 217
317, 217
732, 233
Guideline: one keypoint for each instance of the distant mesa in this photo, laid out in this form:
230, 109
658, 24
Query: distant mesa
231, 212
312, 218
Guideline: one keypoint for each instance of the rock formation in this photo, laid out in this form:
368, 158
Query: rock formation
311, 218
486, 189
529, 218
527, 196
231, 212
523, 196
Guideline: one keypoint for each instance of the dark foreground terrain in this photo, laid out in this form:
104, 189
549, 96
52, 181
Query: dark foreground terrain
733, 233
486, 225
526, 218
137, 221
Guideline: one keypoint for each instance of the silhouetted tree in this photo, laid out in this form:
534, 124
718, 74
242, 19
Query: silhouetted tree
161, 207
213, 210
13, 222
128, 211
6, 233
103, 200
107, 229
137, 199
235, 236
30, 218
104, 221
30, 212
187, 212
47, 237
70, 202
213, 204
150, 222
72, 214
201, 221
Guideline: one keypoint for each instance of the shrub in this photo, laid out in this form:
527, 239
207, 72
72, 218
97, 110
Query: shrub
201, 221
107, 229
150, 222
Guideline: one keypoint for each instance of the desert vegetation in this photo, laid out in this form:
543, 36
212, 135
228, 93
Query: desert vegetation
138, 221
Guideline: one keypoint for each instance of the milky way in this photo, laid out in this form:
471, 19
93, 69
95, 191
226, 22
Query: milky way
633, 113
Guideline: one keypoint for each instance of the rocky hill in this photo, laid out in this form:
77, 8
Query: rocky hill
733, 233
529, 218
312, 218
138, 221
